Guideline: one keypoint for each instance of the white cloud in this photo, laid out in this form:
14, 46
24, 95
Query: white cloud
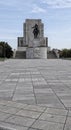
37, 9
58, 3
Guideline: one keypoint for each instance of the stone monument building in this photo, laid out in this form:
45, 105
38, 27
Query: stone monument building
32, 46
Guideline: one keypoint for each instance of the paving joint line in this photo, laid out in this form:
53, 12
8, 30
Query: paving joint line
14, 89
55, 93
66, 120
38, 118
33, 89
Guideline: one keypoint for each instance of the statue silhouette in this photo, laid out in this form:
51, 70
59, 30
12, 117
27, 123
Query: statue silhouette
35, 31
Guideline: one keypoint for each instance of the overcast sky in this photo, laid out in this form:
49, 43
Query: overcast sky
55, 14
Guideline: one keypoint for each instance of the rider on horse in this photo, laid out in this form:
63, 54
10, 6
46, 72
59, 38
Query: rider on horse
35, 31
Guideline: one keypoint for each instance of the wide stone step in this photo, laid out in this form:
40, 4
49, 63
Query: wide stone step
51, 55
20, 55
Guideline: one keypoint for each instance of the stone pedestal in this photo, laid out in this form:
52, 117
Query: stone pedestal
36, 53
36, 42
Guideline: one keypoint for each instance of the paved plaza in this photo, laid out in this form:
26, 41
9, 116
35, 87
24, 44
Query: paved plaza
35, 94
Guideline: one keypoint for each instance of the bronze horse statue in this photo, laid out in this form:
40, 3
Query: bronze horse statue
35, 31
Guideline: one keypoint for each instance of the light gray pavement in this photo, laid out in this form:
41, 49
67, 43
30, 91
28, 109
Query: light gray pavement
35, 94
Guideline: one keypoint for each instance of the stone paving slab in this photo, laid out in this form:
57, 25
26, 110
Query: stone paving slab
35, 94
28, 117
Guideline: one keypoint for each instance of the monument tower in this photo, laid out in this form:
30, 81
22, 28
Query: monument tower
33, 44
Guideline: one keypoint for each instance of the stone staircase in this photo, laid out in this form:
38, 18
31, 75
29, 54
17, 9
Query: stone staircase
20, 55
51, 55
